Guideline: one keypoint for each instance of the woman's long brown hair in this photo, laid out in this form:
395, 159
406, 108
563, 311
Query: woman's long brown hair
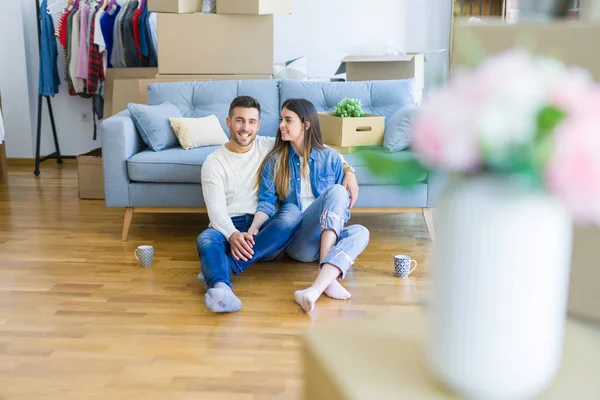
306, 112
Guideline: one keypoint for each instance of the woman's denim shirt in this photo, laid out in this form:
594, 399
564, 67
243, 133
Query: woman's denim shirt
326, 170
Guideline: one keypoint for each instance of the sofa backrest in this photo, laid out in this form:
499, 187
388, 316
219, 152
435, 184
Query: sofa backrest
200, 99
377, 97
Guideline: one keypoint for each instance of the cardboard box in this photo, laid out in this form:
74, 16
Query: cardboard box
143, 83
175, 6
572, 43
380, 68
584, 291
120, 73
347, 132
254, 7
216, 44
125, 91
91, 175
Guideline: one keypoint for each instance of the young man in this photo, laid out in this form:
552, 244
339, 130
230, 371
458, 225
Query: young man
228, 186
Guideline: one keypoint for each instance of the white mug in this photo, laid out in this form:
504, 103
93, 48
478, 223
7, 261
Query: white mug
402, 265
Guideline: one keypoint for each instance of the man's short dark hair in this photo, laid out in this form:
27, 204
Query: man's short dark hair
244, 102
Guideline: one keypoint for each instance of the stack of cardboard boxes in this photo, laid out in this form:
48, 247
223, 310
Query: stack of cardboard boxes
235, 43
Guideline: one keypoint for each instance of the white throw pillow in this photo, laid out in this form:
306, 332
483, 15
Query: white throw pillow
198, 132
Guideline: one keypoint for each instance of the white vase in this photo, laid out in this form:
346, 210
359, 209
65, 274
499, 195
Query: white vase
499, 292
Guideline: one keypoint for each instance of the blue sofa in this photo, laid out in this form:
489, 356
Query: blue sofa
141, 180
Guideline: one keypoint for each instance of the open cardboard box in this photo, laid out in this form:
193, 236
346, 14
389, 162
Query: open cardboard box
349, 132
372, 68
386, 67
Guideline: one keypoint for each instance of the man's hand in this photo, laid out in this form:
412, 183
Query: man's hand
240, 248
351, 184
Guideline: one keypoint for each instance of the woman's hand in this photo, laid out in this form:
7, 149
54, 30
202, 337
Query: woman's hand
253, 231
249, 236
240, 248
351, 184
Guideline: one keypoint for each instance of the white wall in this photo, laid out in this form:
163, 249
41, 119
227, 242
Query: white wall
424, 25
321, 30
14, 86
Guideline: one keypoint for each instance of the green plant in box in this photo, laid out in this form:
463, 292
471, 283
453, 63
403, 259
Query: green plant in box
349, 108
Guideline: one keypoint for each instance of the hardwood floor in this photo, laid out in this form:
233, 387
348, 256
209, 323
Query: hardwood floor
80, 320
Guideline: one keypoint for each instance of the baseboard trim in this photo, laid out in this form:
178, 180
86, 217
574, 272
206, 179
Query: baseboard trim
30, 162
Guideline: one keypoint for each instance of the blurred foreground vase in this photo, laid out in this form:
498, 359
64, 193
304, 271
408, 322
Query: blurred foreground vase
500, 283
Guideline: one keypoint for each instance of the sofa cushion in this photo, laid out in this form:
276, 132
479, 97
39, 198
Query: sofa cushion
398, 129
152, 123
365, 177
198, 132
174, 165
378, 97
200, 99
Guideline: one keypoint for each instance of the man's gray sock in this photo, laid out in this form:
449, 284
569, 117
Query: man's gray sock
221, 299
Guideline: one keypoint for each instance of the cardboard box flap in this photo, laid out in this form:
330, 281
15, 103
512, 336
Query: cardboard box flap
408, 56
399, 57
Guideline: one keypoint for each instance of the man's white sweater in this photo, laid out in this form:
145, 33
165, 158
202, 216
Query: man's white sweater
228, 183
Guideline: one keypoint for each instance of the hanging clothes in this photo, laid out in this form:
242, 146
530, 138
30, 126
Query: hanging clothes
121, 33
130, 48
107, 23
82, 55
100, 42
152, 40
49, 80
143, 35
95, 63
73, 58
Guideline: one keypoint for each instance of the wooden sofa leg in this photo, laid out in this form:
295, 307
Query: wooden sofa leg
127, 223
427, 214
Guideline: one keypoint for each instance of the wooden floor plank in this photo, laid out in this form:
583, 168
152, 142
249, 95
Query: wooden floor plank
80, 319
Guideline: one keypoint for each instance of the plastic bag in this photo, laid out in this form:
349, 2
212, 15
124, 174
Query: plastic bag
209, 6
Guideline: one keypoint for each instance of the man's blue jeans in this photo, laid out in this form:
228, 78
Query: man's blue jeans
215, 254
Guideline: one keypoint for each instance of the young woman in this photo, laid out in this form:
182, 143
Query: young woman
302, 171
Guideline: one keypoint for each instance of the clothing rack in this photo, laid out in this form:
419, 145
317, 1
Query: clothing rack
56, 155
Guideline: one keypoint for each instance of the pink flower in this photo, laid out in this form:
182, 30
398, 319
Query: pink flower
573, 173
576, 94
442, 134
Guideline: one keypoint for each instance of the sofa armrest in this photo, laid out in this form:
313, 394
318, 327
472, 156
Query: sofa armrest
436, 181
120, 140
